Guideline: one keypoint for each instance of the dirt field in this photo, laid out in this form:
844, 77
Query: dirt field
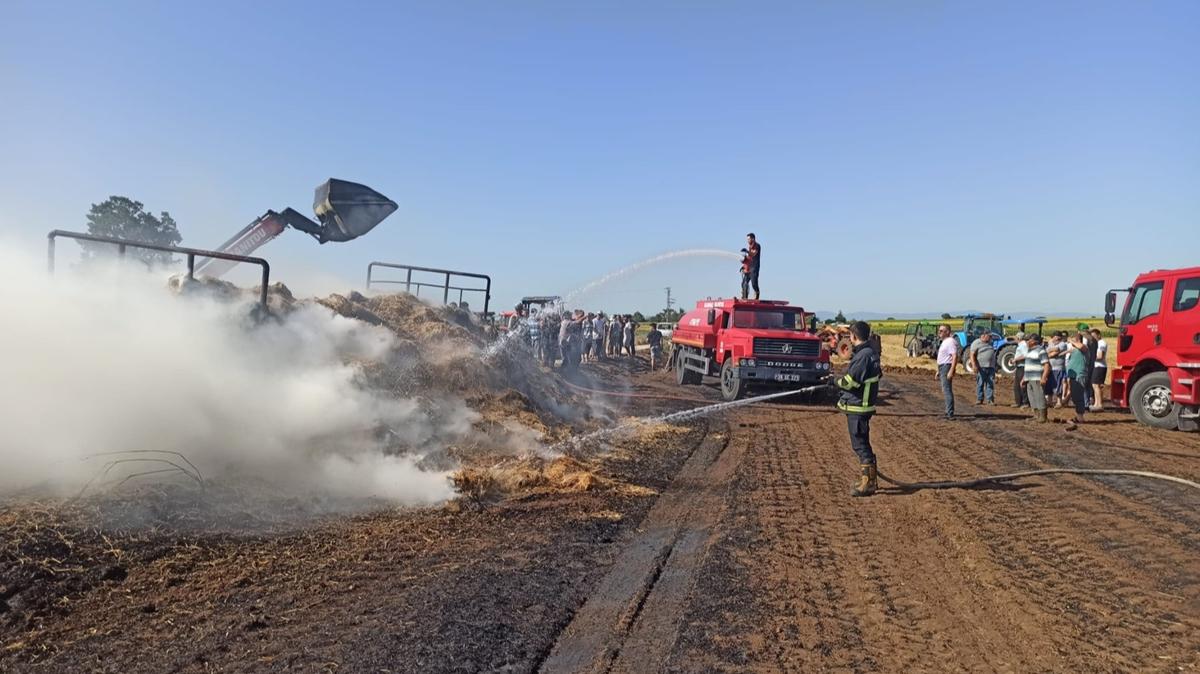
729, 544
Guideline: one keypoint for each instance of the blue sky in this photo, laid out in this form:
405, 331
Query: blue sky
892, 157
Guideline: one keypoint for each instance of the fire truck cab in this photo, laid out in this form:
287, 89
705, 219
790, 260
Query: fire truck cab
762, 343
1158, 348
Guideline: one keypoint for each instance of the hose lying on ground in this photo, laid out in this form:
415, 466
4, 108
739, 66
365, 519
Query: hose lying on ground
1008, 477
912, 486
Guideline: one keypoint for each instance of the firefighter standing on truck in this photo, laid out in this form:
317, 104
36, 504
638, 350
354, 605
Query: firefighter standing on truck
751, 256
860, 388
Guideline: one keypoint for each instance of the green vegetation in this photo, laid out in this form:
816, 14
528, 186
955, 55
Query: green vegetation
124, 218
896, 327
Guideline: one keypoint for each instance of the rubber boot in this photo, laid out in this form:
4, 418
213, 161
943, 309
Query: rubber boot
755, 295
867, 481
1043, 416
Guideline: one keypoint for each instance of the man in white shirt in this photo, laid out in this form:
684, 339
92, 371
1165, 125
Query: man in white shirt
599, 330
947, 360
1099, 371
1020, 397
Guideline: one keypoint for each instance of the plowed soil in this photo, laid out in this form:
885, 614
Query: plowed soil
731, 545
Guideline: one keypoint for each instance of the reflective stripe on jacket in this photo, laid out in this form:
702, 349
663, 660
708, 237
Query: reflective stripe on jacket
860, 384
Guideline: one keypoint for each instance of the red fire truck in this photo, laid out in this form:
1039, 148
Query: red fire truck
1158, 348
748, 343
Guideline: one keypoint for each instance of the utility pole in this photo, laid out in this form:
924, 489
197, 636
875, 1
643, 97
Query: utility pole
670, 302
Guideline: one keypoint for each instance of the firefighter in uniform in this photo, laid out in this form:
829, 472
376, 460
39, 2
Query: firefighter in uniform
751, 262
860, 388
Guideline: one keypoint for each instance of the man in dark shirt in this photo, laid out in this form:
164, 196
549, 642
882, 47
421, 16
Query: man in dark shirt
654, 339
1093, 345
751, 258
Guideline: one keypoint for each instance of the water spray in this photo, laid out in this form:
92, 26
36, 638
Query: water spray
683, 415
690, 252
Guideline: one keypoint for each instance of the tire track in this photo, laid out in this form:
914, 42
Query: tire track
630, 621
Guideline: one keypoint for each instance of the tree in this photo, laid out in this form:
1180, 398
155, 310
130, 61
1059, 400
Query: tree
125, 219
638, 317
840, 318
667, 316
946, 317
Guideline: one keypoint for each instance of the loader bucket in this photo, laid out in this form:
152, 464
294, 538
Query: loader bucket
348, 210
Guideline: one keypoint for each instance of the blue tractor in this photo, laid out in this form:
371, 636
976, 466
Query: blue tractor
974, 325
1007, 352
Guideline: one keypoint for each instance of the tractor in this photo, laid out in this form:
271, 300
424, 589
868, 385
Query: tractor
974, 326
920, 338
835, 337
1006, 349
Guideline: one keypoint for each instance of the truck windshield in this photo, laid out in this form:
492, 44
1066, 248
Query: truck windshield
1144, 301
772, 320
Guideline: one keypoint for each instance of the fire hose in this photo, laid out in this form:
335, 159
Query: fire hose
911, 486
1008, 477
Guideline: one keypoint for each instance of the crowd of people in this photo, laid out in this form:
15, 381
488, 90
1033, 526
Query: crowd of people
567, 338
1067, 368
1064, 369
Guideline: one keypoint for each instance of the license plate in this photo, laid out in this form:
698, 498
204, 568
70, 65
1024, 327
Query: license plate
787, 377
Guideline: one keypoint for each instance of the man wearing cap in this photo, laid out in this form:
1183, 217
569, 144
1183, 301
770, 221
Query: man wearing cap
1037, 373
751, 257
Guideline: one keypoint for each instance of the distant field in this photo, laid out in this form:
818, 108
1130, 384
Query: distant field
886, 327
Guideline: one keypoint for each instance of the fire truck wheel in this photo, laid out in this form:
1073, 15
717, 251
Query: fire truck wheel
684, 376
731, 386
1150, 400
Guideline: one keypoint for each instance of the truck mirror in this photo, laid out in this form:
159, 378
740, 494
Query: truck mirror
348, 210
1110, 303
712, 316
1109, 318
812, 323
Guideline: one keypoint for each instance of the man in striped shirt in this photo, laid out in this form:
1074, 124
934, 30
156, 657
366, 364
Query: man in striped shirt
1037, 373
534, 329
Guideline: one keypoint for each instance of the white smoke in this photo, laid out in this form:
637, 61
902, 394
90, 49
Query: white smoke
111, 361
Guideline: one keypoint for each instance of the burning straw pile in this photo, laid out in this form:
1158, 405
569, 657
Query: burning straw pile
442, 352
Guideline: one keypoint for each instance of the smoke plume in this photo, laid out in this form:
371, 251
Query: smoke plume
111, 361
